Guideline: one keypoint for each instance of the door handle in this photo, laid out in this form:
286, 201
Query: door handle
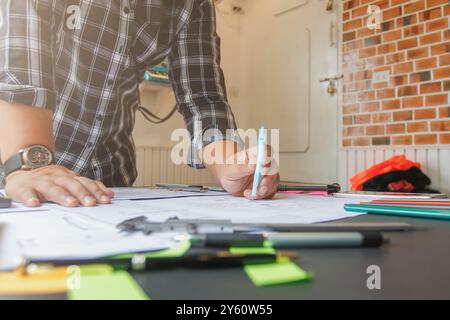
332, 78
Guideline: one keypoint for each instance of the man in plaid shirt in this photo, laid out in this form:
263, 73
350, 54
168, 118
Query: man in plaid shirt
69, 77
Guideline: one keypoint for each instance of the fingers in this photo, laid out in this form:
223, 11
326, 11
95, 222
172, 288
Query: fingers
95, 189
78, 190
105, 189
29, 197
266, 190
57, 194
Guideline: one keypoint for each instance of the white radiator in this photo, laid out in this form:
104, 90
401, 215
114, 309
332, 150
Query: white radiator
154, 166
435, 162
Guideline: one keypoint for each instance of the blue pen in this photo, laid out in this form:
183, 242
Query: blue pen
259, 160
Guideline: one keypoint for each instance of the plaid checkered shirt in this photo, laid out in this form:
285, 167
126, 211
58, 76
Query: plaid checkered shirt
86, 67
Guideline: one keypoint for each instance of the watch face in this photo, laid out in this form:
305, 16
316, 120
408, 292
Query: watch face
37, 157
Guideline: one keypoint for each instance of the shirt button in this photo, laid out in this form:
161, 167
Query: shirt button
99, 118
90, 145
126, 10
110, 82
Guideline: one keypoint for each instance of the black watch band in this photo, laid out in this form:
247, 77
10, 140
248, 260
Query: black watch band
13, 164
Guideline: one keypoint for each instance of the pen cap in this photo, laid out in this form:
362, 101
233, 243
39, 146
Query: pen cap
372, 239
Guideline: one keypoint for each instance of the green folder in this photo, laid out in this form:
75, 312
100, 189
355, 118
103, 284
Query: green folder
399, 211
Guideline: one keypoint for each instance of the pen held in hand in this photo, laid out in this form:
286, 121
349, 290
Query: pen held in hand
259, 160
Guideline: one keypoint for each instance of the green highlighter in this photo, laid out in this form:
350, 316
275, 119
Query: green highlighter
399, 211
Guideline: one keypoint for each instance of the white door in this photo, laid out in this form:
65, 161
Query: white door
287, 47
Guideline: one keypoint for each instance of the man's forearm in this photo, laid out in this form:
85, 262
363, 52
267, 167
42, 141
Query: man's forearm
22, 126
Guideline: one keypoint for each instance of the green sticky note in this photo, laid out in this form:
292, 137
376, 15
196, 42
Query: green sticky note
176, 251
118, 285
283, 271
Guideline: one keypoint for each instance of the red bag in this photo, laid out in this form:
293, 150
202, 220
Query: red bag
396, 163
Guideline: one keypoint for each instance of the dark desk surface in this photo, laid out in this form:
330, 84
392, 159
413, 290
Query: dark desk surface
413, 266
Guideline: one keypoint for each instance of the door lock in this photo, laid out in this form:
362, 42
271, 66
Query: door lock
332, 89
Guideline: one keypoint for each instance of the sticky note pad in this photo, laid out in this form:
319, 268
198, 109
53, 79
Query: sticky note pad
283, 271
16, 283
118, 285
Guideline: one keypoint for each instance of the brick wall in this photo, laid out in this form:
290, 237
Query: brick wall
413, 48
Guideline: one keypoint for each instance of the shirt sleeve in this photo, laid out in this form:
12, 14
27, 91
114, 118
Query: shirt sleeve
26, 58
199, 83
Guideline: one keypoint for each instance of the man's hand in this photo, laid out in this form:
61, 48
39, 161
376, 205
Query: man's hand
235, 169
56, 184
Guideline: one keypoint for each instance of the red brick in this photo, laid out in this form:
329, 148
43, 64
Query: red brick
355, 131
407, 44
370, 107
395, 128
430, 14
350, 109
413, 127
413, 31
392, 36
443, 125
407, 91
440, 48
444, 60
437, 24
392, 13
381, 117
412, 102
385, 93
362, 119
426, 64
436, 100
366, 96
407, 20
441, 73
403, 115
363, 75
390, 104
381, 141
399, 80
430, 38
375, 130
403, 67
386, 48
433, 3
417, 53
420, 76
367, 52
375, 62
351, 25
364, 32
361, 142
425, 139
421, 114
431, 87
414, 7
361, 11
346, 142
444, 138
447, 85
395, 58
402, 140
444, 112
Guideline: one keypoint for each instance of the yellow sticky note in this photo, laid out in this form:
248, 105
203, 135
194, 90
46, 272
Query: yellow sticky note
16, 283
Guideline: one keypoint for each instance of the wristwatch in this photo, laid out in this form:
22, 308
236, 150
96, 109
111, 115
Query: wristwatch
33, 157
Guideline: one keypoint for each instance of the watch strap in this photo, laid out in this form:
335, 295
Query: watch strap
13, 164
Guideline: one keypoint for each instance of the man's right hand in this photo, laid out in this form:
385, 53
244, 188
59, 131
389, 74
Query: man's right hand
57, 184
